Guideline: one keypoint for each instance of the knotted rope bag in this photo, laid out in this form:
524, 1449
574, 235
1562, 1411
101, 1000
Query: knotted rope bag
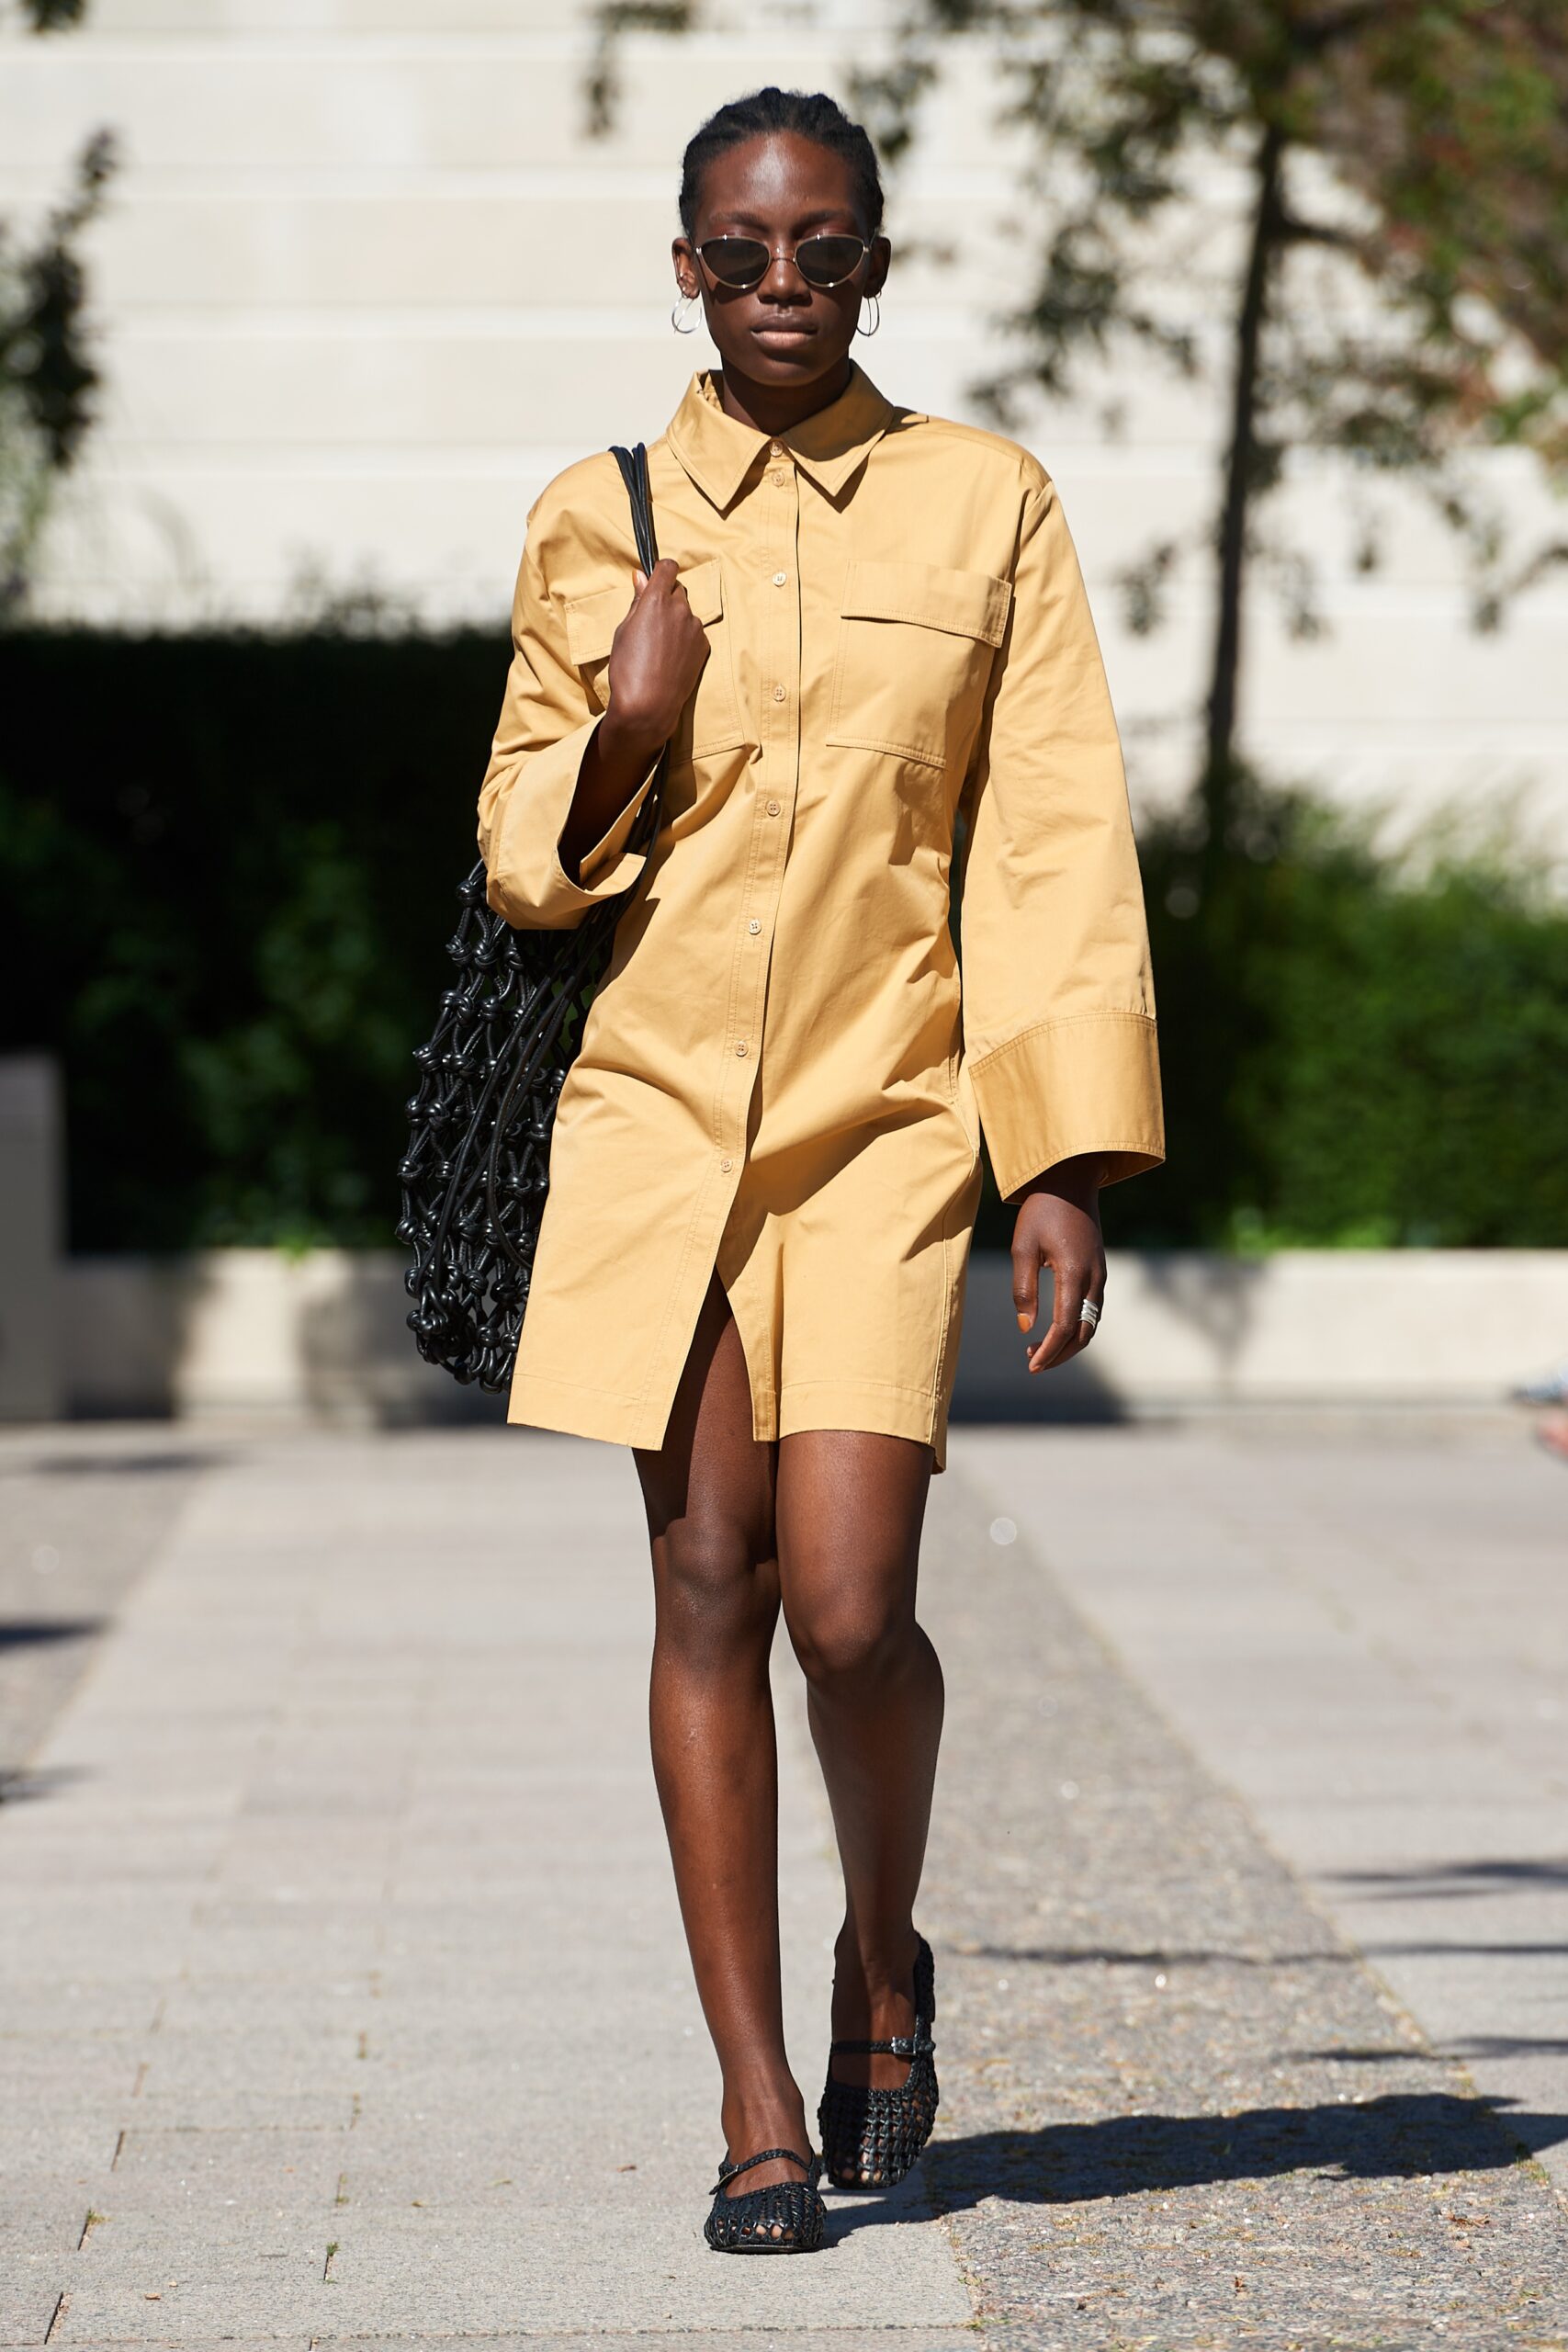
477, 1168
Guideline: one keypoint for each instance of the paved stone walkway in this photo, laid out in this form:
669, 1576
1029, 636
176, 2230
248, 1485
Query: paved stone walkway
344, 1996
80, 1517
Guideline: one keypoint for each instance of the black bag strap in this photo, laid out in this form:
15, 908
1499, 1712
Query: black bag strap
633, 464
533, 1042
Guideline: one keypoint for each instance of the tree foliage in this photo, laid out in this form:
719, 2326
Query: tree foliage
1397, 290
47, 377
52, 16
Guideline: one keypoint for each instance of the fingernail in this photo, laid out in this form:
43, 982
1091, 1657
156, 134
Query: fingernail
1025, 1322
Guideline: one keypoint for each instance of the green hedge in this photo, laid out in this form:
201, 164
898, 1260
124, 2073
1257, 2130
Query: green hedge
229, 870
228, 873
1355, 1053
1359, 1050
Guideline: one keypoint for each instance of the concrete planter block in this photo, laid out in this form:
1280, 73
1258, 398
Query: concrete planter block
32, 1373
1305, 1326
323, 1337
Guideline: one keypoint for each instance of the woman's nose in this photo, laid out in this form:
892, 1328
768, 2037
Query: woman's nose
782, 277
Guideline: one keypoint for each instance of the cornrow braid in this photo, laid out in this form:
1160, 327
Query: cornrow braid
811, 115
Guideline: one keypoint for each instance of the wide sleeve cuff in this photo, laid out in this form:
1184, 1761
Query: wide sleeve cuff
526, 882
1087, 1083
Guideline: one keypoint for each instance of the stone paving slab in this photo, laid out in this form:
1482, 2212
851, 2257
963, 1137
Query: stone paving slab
761, 2339
299, 2343
617, 2263
28, 2300
188, 2169
45, 2141
51, 2004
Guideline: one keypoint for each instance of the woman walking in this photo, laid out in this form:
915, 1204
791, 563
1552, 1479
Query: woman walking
866, 631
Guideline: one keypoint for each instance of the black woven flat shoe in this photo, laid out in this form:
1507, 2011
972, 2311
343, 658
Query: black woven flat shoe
870, 2138
784, 2218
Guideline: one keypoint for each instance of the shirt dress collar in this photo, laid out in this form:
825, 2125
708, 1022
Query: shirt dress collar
718, 451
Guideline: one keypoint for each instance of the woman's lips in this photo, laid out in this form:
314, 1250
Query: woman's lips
783, 333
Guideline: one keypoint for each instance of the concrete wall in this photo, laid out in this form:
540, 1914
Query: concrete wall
245, 1331
32, 1371
364, 284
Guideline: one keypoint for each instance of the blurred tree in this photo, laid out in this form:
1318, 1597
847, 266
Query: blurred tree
1397, 294
47, 377
612, 19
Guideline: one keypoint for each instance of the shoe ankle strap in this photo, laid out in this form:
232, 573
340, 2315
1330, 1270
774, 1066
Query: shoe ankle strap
728, 2172
903, 2045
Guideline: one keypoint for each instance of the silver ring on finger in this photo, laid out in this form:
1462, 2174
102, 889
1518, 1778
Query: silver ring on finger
1088, 1313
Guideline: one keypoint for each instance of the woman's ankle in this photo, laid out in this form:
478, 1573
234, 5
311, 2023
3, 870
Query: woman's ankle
880, 1963
773, 2110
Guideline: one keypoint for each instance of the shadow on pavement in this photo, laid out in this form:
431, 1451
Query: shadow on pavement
1156, 1956
1399, 2136
120, 1466
23, 1633
1423, 1880
23, 1787
1500, 2045
1341, 2053
1552, 1948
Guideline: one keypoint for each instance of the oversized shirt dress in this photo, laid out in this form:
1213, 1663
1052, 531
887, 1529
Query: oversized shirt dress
784, 1078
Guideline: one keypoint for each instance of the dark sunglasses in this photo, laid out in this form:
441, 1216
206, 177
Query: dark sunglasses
739, 262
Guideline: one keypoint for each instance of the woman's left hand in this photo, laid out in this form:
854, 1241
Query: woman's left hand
1058, 1226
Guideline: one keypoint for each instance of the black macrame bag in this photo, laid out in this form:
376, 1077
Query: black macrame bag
477, 1168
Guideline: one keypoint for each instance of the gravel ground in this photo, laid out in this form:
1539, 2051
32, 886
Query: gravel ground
1176, 2109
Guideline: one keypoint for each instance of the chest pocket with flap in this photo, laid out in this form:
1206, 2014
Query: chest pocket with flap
711, 720
916, 643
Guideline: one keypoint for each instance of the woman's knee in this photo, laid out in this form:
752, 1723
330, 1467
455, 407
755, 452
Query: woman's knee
847, 1641
712, 1581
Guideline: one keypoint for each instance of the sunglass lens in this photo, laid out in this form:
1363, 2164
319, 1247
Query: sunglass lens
736, 261
828, 261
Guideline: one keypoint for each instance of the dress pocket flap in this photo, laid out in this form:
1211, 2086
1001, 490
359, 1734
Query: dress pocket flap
704, 589
592, 620
966, 604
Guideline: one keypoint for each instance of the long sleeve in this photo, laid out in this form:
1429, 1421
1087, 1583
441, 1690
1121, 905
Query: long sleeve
546, 723
1058, 1003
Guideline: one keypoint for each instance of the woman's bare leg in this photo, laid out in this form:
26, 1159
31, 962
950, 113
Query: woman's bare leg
848, 1510
708, 1493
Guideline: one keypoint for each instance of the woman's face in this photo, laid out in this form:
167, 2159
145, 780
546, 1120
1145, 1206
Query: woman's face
780, 188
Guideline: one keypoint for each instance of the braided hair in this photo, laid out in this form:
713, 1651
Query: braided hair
811, 115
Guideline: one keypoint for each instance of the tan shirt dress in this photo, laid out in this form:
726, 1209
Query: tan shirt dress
781, 1077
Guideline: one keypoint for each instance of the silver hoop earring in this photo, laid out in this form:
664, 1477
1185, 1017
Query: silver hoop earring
679, 314
875, 301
